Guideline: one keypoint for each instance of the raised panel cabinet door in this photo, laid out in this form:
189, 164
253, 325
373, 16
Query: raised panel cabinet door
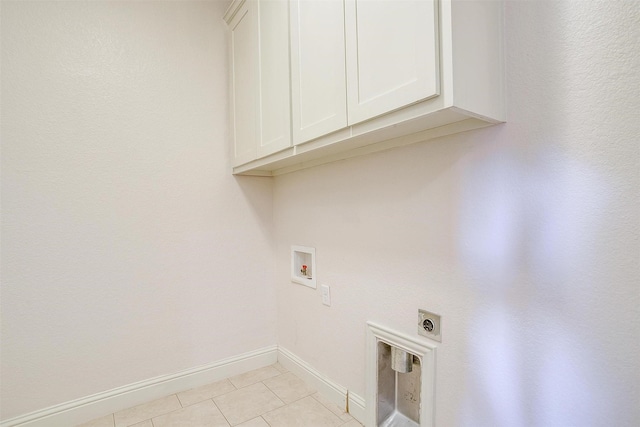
392, 55
318, 81
244, 83
275, 108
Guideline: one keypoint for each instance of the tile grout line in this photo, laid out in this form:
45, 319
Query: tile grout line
212, 397
288, 403
314, 395
277, 397
259, 415
220, 410
344, 412
158, 415
259, 381
304, 397
327, 408
180, 400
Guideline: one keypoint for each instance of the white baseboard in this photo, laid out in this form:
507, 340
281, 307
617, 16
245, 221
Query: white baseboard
87, 408
326, 387
357, 408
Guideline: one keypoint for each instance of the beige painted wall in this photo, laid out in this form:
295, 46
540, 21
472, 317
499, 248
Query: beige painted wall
128, 249
523, 236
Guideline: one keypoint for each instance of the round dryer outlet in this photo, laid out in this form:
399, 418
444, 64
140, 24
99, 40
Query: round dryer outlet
429, 325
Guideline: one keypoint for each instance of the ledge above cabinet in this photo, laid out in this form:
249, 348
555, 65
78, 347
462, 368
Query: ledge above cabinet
454, 83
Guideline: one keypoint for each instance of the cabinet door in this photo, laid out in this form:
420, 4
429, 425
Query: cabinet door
244, 83
318, 81
392, 55
275, 108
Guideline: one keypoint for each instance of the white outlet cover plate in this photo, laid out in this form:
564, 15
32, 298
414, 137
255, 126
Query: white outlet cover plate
326, 295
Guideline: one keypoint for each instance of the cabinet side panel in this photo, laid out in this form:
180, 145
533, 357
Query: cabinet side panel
275, 122
318, 68
478, 57
244, 53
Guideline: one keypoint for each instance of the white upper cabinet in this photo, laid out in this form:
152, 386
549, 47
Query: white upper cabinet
275, 104
245, 86
259, 65
318, 81
365, 76
392, 55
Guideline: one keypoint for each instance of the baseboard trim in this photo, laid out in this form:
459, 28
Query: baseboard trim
87, 408
325, 386
357, 408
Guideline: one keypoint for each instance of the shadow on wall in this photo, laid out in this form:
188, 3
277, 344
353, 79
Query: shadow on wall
258, 195
532, 212
524, 244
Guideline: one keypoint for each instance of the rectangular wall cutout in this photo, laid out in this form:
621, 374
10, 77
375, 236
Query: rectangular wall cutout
303, 266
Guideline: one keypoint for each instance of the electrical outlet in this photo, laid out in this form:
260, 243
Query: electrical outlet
429, 325
326, 295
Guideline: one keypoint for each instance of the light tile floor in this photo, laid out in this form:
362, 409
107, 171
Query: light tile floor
267, 397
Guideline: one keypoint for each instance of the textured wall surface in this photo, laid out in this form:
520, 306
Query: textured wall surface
128, 249
523, 236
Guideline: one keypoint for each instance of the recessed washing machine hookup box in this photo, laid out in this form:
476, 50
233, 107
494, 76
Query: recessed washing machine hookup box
303, 266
